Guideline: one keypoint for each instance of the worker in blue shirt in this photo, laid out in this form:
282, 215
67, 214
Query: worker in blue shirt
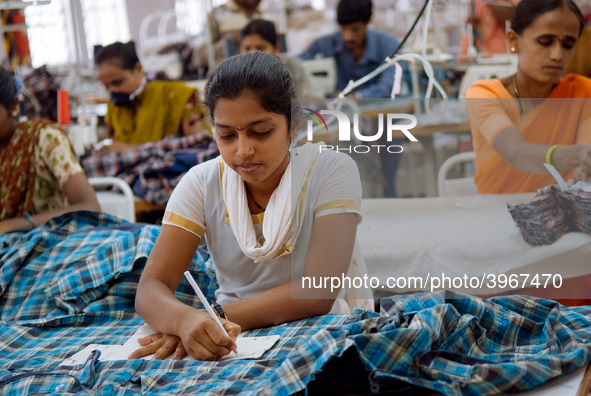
357, 50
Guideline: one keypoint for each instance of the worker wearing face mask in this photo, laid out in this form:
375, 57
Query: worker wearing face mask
140, 111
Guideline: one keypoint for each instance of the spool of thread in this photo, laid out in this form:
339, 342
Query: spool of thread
63, 107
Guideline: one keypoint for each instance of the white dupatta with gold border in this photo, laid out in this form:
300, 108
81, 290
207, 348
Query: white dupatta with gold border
279, 234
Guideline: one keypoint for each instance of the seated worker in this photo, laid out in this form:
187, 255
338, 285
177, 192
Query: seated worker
260, 35
225, 23
260, 244
40, 175
140, 111
357, 50
488, 22
536, 116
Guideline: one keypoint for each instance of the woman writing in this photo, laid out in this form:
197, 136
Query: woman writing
140, 111
40, 175
536, 116
270, 216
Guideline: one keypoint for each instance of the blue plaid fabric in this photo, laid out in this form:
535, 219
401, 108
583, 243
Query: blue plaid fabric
71, 283
81, 262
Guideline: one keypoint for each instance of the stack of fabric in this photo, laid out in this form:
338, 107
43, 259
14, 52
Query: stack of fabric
578, 205
553, 213
154, 169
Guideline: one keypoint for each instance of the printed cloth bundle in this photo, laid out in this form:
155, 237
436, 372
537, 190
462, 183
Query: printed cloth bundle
553, 213
44, 87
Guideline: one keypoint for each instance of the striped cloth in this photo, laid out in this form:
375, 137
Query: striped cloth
71, 283
81, 262
154, 169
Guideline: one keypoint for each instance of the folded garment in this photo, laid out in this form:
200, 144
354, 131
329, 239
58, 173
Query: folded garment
553, 213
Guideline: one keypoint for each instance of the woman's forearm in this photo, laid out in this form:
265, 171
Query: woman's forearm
38, 219
43, 217
170, 257
567, 157
159, 308
274, 307
531, 157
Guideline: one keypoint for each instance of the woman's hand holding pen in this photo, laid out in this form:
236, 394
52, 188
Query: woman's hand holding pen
204, 340
199, 336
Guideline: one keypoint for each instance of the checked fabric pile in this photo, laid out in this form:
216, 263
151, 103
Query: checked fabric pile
71, 282
154, 169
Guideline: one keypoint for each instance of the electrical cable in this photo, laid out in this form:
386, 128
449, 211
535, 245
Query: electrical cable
354, 85
411, 29
426, 28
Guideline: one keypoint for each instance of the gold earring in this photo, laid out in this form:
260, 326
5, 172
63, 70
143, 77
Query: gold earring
513, 49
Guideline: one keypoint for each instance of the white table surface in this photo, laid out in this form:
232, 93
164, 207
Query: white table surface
457, 236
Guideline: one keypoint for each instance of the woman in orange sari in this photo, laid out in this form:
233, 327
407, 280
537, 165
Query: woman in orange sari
40, 177
536, 116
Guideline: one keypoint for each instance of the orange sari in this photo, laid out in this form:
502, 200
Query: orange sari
563, 118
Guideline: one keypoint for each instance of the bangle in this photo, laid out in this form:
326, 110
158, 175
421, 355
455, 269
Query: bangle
549, 153
29, 219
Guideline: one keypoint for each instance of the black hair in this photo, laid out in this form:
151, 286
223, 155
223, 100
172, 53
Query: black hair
264, 75
123, 55
351, 11
265, 29
8, 91
528, 10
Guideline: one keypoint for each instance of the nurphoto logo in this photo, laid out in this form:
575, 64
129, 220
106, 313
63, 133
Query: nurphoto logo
393, 123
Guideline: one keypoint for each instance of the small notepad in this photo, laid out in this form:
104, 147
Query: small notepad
248, 348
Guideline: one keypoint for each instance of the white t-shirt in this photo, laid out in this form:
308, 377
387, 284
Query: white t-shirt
196, 205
